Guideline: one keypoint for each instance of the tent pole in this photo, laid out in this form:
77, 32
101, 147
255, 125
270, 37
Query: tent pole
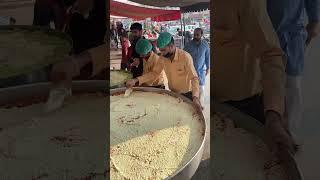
182, 37
184, 30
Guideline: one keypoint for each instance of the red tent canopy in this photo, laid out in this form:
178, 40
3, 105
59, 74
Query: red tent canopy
141, 13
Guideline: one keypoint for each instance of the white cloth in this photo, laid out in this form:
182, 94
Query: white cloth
294, 103
202, 94
56, 98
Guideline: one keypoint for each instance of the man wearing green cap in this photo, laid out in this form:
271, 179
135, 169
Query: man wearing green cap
153, 74
178, 66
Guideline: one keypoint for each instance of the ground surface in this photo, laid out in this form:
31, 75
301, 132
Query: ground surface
203, 172
309, 157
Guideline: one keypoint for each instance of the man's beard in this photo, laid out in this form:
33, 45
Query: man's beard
146, 57
168, 55
197, 39
136, 38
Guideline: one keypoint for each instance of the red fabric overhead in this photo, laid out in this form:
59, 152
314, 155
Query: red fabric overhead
141, 13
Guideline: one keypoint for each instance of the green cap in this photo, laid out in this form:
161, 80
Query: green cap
143, 47
164, 39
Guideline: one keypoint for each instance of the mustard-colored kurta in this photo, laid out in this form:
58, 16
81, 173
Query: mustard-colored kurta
247, 56
181, 74
153, 74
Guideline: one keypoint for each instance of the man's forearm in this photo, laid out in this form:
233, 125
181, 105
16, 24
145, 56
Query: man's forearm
207, 63
273, 81
208, 58
258, 31
148, 77
99, 58
82, 59
313, 10
195, 87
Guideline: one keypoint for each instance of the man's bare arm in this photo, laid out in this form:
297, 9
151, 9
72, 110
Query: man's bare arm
64, 72
259, 33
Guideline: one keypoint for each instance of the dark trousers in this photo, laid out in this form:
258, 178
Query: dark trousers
116, 41
160, 86
188, 95
123, 66
252, 106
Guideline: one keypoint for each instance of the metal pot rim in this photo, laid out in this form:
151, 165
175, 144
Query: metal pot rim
254, 127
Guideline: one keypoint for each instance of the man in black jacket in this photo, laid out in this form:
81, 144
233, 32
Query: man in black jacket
47, 11
87, 29
135, 61
134, 58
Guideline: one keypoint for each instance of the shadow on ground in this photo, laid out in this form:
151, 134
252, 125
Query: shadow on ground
203, 172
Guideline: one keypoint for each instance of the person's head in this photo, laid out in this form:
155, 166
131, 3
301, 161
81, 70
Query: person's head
125, 35
198, 33
165, 43
136, 30
178, 29
144, 48
120, 25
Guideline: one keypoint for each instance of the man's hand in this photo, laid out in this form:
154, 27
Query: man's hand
63, 72
197, 102
136, 62
207, 72
313, 30
281, 140
69, 68
132, 82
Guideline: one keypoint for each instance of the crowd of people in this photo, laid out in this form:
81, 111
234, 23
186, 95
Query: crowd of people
117, 31
150, 62
152, 32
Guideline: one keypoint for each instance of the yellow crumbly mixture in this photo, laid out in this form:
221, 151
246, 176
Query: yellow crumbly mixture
118, 77
152, 135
